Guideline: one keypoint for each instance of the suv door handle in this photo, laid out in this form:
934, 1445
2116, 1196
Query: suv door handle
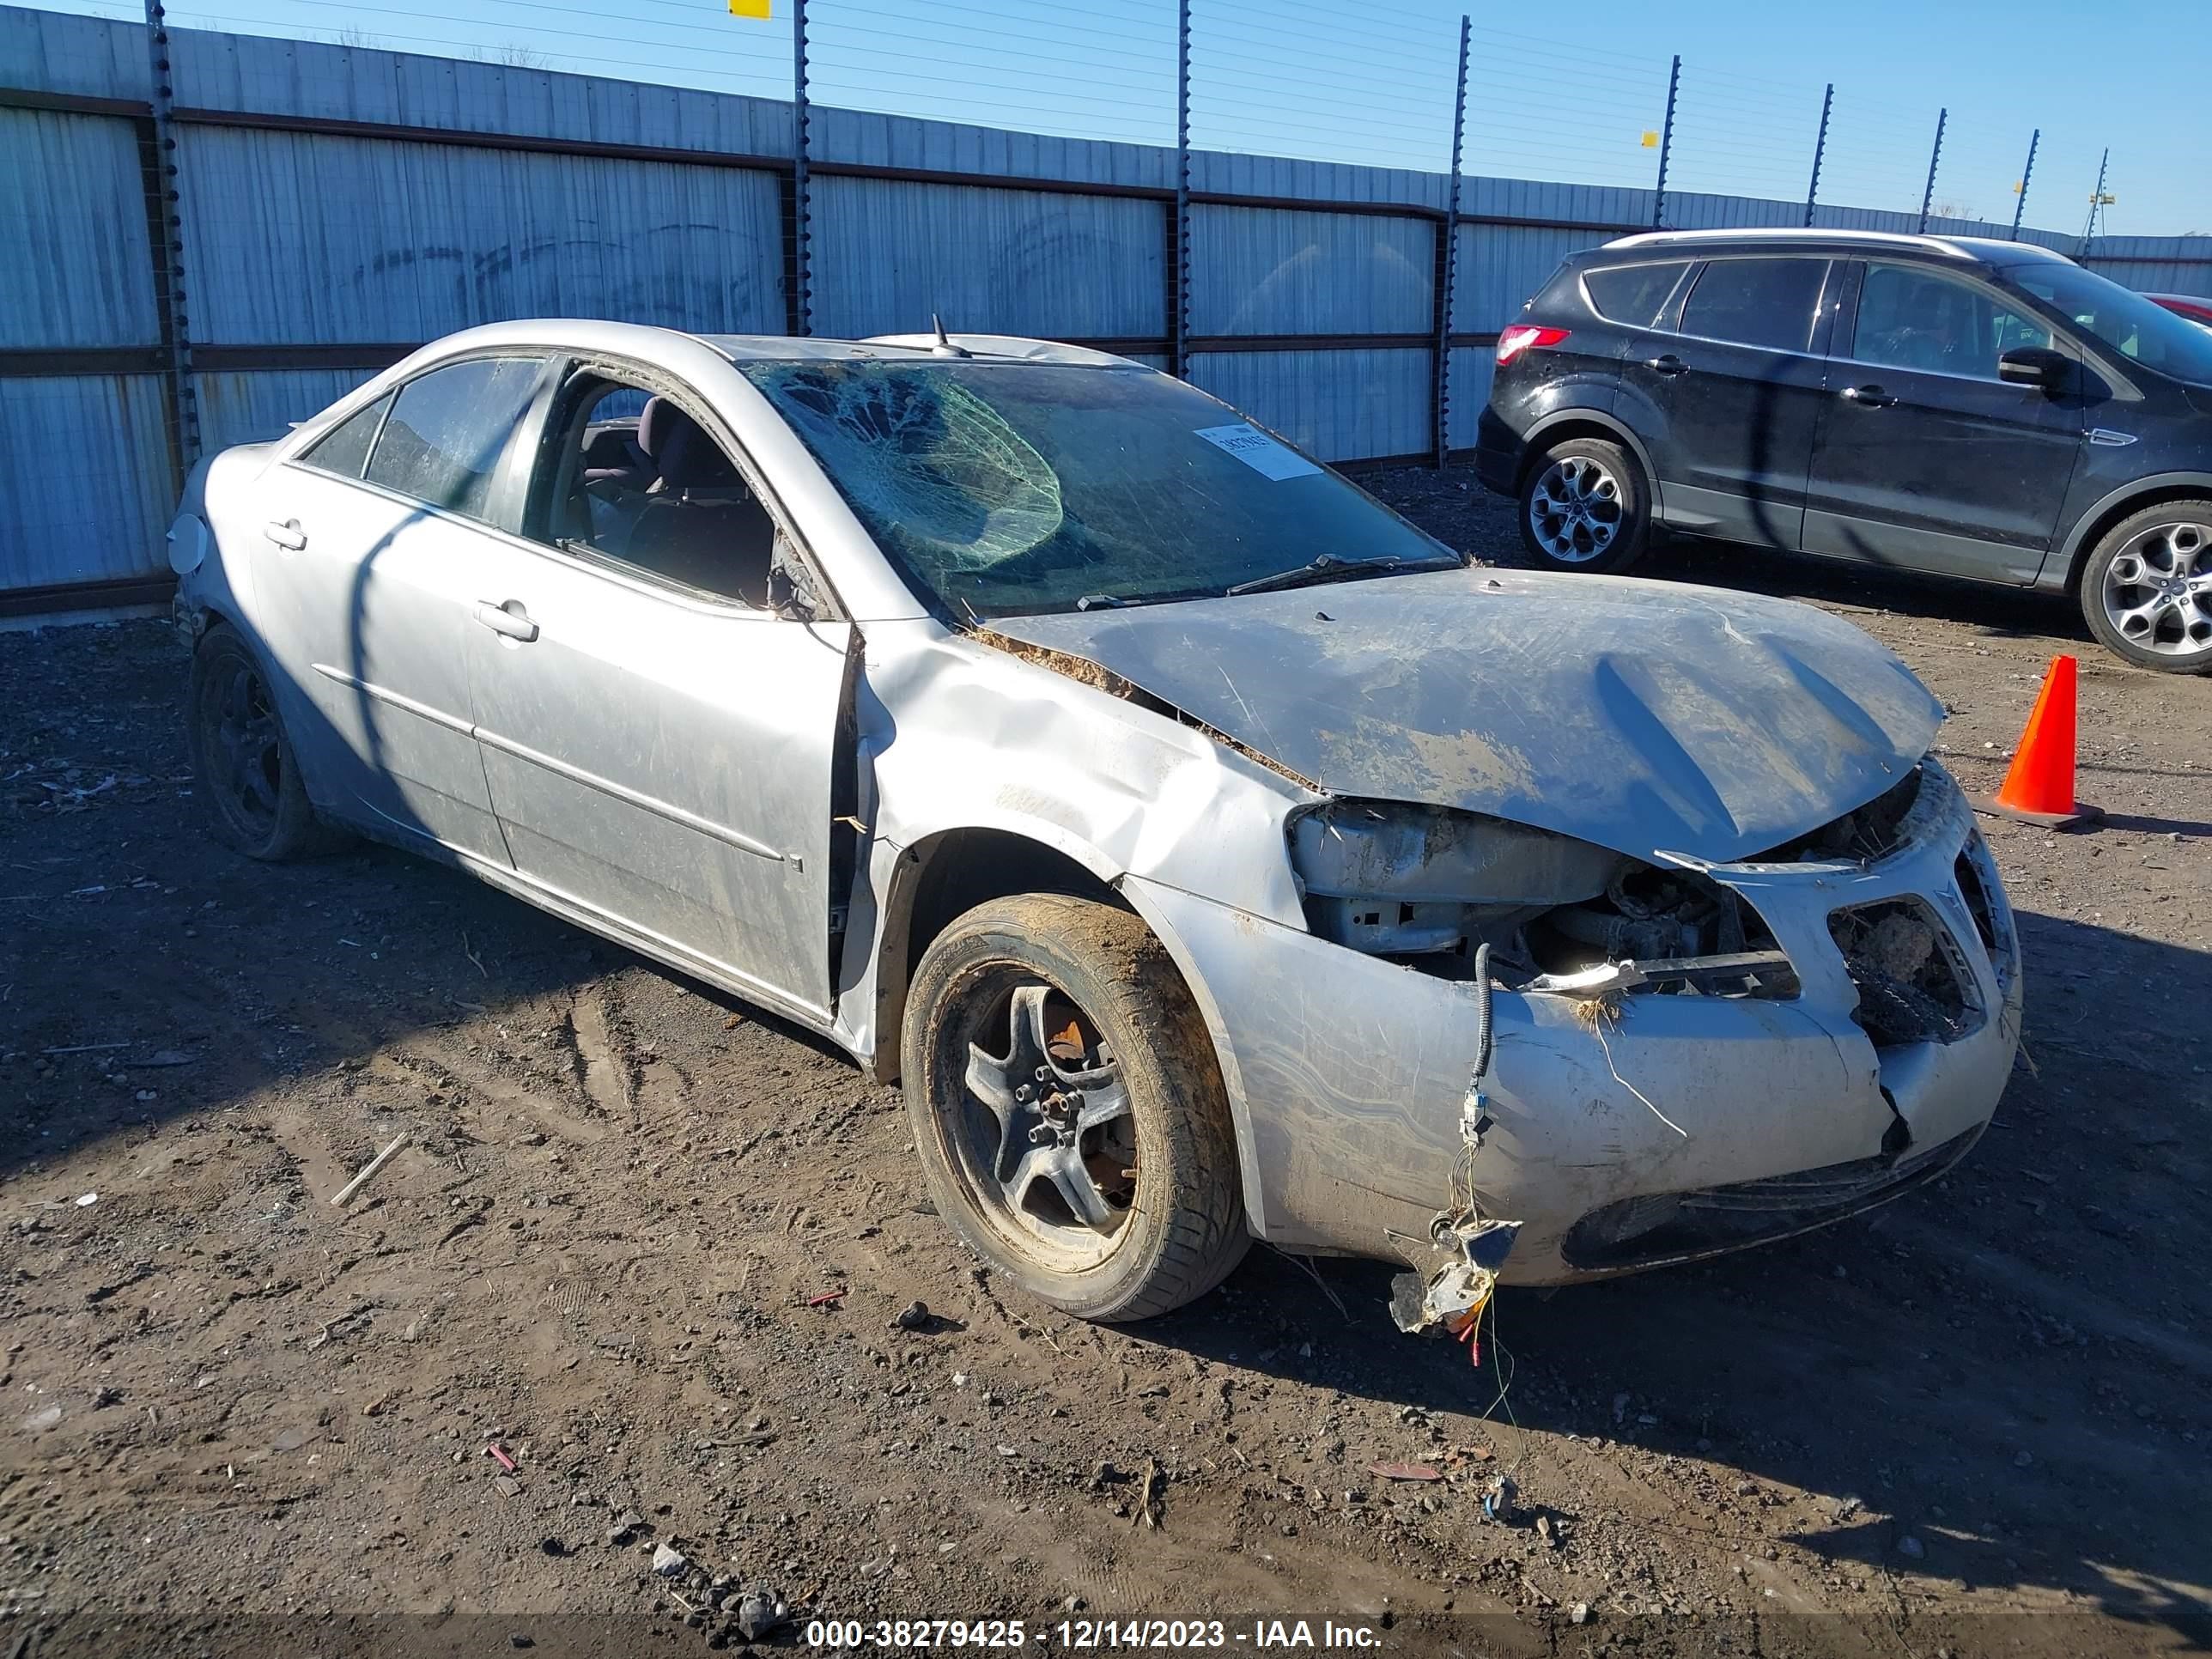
1868, 397
509, 619
287, 535
1667, 364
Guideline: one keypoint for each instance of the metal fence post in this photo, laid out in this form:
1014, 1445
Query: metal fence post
2096, 201
165, 247
1819, 149
1934, 155
1666, 146
1448, 264
2027, 172
802, 273
1179, 277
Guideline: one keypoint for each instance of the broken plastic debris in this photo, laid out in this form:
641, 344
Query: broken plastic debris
761, 1611
88, 1200
1502, 1503
1455, 1294
1604, 980
1405, 1472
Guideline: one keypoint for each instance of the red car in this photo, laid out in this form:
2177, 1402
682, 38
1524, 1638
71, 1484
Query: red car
2194, 306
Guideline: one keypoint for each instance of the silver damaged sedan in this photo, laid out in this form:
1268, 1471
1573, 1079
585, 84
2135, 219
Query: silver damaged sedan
1212, 853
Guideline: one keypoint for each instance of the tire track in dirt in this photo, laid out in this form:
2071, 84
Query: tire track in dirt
603, 1076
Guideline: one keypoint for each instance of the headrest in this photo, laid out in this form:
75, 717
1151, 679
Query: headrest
684, 456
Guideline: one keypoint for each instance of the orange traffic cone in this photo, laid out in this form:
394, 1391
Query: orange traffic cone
2040, 787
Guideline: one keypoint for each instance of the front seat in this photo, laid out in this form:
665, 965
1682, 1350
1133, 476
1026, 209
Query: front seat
700, 525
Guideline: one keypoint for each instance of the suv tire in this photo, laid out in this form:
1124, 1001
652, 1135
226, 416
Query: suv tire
2146, 590
1584, 507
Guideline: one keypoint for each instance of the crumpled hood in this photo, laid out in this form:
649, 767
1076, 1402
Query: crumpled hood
1647, 717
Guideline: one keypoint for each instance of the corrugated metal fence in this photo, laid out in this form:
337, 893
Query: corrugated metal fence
302, 215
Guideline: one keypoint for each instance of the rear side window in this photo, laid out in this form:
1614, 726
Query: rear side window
1633, 294
448, 429
343, 448
1757, 303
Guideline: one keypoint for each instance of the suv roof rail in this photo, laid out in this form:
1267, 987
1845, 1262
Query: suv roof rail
1936, 244
1976, 249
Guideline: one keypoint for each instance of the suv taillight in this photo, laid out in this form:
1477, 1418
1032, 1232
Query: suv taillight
1523, 337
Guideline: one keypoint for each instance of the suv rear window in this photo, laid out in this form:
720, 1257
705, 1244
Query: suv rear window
1757, 303
1633, 294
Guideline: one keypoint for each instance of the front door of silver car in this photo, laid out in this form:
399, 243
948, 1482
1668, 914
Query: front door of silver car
364, 565
659, 753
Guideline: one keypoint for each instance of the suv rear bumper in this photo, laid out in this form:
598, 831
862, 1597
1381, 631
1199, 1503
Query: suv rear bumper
1498, 452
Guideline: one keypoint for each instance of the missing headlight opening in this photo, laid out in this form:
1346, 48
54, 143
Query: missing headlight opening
1427, 886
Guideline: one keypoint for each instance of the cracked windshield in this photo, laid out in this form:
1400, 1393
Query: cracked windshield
1015, 489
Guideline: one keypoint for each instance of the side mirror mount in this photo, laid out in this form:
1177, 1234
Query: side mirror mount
2036, 366
786, 597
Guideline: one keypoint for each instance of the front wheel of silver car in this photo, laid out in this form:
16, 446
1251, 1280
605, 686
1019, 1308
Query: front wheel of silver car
1068, 1109
1583, 508
2147, 589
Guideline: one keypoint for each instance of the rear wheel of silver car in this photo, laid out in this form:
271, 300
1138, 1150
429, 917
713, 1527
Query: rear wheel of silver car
1583, 508
242, 761
1069, 1114
2147, 590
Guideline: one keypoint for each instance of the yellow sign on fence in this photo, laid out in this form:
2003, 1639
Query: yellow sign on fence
1650, 141
749, 7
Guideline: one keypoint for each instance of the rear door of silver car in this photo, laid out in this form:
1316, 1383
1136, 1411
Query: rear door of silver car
372, 538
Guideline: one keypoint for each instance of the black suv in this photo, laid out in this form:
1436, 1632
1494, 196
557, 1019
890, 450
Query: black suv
1979, 409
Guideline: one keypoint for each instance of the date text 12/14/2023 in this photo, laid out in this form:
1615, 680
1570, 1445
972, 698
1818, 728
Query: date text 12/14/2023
1082, 1635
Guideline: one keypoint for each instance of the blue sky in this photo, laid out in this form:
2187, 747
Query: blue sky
1564, 94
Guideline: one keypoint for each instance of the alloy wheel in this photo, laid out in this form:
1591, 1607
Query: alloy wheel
1575, 510
2157, 590
1043, 1133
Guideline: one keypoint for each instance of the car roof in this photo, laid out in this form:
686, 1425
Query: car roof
980, 348
1981, 250
585, 334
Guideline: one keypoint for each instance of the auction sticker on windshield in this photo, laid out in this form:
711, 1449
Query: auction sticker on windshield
1258, 451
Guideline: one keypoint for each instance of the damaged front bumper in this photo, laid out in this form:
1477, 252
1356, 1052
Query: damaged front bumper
1686, 1126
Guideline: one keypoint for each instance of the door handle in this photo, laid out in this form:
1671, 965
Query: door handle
287, 535
509, 619
1868, 397
1667, 364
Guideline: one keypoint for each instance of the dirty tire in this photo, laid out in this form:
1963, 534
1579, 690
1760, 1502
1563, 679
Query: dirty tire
255, 802
2178, 642
1184, 1229
1624, 503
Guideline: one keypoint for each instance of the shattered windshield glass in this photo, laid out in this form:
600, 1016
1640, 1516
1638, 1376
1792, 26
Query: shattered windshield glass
1015, 488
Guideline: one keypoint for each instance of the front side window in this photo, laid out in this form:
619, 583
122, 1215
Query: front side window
2120, 319
1913, 318
448, 429
345, 447
1023, 488
632, 476
1771, 303
1633, 294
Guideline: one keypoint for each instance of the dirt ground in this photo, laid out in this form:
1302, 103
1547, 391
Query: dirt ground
240, 1418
